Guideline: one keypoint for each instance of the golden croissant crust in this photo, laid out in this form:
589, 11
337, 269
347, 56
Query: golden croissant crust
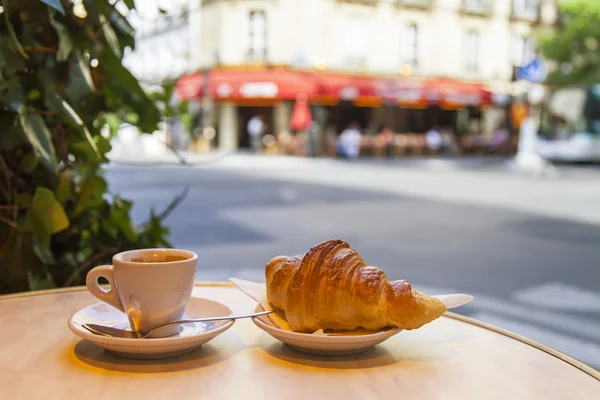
331, 287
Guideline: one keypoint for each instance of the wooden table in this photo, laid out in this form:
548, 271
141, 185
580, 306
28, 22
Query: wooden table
451, 358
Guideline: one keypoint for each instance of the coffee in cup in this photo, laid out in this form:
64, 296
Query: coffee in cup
151, 286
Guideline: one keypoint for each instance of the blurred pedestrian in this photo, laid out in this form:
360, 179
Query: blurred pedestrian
449, 145
433, 138
385, 137
256, 128
312, 131
348, 144
499, 140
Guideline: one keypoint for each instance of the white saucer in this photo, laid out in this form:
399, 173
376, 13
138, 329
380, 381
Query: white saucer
190, 336
321, 344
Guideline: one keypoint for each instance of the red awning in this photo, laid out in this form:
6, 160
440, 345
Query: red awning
455, 94
236, 85
344, 87
190, 86
405, 92
329, 88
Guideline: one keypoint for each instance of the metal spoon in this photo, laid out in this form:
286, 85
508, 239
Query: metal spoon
127, 334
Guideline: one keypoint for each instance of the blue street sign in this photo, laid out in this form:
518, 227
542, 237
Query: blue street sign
535, 71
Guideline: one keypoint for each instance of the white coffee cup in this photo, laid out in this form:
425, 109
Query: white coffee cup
151, 286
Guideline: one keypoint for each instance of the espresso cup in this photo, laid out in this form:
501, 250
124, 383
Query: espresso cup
151, 286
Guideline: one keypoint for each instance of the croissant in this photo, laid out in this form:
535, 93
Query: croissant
331, 287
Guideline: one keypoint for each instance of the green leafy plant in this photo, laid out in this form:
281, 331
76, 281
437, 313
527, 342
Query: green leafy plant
574, 46
62, 83
172, 108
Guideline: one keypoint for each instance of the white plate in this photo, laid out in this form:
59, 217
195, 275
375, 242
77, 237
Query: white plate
331, 345
190, 336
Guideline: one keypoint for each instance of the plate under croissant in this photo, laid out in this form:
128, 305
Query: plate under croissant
321, 344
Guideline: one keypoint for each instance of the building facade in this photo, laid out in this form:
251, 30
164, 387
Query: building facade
473, 42
167, 34
462, 39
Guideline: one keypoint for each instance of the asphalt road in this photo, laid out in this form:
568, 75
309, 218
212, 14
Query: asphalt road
536, 273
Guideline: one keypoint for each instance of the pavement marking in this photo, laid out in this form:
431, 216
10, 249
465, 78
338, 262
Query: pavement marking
560, 296
585, 351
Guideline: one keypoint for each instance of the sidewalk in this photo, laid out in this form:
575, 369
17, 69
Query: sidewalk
573, 195
168, 158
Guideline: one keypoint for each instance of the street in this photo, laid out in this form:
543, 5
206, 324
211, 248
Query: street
527, 248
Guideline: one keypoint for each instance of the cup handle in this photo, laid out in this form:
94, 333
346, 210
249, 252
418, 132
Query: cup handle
107, 296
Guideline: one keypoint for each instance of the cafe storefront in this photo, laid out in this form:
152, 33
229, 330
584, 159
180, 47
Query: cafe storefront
401, 104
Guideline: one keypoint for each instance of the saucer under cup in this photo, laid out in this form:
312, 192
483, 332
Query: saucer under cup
190, 337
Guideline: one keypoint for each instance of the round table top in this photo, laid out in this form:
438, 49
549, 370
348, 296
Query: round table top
451, 358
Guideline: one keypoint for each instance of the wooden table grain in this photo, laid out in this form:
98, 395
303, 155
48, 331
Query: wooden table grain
451, 358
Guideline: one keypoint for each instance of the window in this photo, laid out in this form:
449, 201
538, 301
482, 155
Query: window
411, 45
475, 4
522, 50
258, 36
355, 48
472, 51
525, 7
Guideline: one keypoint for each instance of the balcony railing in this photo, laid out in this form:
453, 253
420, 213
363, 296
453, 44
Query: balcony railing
367, 2
163, 24
258, 56
416, 3
478, 7
526, 10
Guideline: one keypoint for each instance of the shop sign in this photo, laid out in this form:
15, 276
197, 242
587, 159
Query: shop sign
224, 90
398, 91
348, 93
464, 98
259, 89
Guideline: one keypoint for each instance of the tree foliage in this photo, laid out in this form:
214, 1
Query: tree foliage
62, 83
574, 46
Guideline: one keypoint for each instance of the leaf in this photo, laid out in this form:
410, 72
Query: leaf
65, 44
28, 162
113, 122
39, 137
103, 144
92, 189
63, 190
24, 199
88, 149
80, 79
119, 217
11, 94
123, 90
42, 251
130, 4
10, 61
34, 94
90, 140
12, 35
110, 36
121, 23
55, 4
13, 135
54, 102
45, 215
